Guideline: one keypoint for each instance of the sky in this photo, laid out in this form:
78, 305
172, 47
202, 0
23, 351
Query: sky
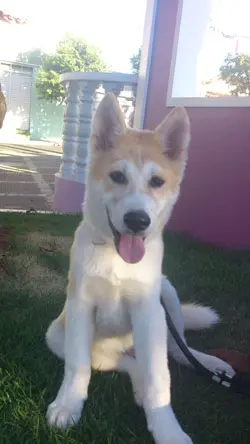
231, 17
115, 26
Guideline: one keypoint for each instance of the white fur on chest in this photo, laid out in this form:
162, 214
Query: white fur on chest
112, 314
102, 261
110, 283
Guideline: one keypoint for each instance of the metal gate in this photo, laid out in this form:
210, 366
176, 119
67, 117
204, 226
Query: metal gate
16, 81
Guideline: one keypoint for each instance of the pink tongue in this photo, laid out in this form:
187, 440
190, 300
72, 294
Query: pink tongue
131, 248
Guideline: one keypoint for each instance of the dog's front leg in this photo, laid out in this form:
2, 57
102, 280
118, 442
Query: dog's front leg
150, 339
67, 407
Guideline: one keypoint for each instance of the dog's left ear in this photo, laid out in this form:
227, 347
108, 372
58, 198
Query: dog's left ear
174, 134
108, 123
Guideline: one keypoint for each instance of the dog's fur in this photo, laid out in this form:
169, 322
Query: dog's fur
113, 306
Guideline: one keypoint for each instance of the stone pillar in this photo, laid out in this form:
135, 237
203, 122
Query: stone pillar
127, 102
87, 103
82, 100
70, 130
113, 87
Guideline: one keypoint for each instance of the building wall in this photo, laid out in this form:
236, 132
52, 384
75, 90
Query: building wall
16, 82
46, 119
214, 205
25, 111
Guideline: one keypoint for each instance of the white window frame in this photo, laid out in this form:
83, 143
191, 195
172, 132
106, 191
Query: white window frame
227, 101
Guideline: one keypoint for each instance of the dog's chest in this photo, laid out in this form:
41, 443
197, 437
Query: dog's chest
112, 314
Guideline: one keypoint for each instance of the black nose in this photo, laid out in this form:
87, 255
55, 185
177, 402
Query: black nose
136, 221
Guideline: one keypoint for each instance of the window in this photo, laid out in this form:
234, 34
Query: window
211, 54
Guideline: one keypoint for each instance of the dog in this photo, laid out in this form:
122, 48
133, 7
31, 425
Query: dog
112, 318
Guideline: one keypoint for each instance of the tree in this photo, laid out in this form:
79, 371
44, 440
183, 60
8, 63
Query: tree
72, 54
236, 73
34, 56
135, 61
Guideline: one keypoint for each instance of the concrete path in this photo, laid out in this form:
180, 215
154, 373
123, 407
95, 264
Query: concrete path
27, 175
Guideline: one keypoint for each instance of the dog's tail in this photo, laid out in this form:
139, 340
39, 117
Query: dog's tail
197, 317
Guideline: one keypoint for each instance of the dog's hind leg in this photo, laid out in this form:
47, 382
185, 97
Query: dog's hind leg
128, 364
55, 336
107, 355
106, 358
171, 302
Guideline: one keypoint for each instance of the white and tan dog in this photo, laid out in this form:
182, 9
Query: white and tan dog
115, 279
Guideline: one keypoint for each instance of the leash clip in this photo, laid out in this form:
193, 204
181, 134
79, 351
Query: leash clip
222, 378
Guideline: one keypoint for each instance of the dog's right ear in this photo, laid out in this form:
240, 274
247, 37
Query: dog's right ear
108, 123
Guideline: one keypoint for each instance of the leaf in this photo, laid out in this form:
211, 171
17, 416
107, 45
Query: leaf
72, 54
235, 72
135, 61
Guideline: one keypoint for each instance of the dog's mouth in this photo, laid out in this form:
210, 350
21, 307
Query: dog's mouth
129, 246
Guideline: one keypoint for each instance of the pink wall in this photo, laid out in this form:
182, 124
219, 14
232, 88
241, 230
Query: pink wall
215, 200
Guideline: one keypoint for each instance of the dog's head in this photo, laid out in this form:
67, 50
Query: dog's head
134, 176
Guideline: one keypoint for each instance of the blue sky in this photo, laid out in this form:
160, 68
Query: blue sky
116, 26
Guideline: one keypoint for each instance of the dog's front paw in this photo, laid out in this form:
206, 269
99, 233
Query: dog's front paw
165, 428
61, 416
179, 438
174, 437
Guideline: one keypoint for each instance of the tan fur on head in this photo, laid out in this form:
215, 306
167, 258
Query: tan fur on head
112, 141
140, 156
108, 123
173, 133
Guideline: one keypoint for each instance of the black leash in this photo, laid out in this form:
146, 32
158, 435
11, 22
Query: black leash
239, 383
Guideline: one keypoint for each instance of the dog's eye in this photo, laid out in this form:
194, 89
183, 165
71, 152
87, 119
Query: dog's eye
118, 177
156, 182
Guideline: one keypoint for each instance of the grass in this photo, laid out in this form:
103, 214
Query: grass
32, 293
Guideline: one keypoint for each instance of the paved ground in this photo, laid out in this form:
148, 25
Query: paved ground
27, 175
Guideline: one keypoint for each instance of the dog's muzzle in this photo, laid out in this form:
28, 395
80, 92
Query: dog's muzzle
130, 247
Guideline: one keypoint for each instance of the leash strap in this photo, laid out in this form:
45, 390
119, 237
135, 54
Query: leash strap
239, 383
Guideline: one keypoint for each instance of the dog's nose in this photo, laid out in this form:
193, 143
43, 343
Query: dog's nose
136, 221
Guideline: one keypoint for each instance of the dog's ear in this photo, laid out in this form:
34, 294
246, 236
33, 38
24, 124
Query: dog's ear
174, 134
108, 123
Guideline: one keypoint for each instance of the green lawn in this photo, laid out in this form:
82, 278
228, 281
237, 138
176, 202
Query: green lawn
32, 290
